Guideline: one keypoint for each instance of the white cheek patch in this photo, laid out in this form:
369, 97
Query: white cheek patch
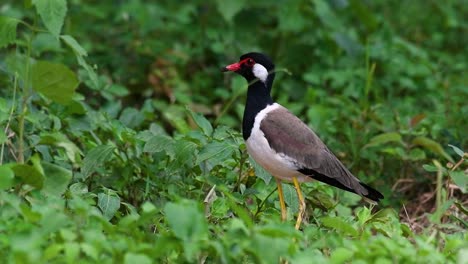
260, 72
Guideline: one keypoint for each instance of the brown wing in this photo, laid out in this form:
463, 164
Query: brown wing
289, 135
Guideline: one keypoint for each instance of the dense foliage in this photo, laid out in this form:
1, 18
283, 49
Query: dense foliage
120, 137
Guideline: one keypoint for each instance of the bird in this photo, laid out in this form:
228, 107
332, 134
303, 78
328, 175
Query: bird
283, 144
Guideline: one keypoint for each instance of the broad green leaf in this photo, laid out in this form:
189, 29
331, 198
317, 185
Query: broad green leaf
7, 30
3, 137
186, 221
109, 204
384, 138
430, 168
432, 146
184, 152
339, 224
201, 122
460, 178
96, 157
74, 45
229, 9
133, 258
290, 197
160, 143
260, 171
341, 255
218, 151
54, 80
29, 175
52, 13
56, 179
60, 140
6, 177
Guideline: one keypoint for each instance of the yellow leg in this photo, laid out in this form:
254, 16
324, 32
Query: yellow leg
301, 203
281, 198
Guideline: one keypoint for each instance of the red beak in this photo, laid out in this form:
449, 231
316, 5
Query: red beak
233, 67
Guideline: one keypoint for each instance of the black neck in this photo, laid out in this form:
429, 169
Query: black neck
258, 97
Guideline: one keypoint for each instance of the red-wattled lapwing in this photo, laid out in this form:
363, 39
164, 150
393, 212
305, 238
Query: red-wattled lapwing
282, 144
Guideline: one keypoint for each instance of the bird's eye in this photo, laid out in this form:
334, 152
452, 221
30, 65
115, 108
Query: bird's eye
250, 62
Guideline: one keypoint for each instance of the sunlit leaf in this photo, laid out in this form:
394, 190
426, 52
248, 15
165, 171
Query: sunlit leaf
6, 177
432, 146
385, 138
109, 204
52, 13
56, 178
7, 30
201, 122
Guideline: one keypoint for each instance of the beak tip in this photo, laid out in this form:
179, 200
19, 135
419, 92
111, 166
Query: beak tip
224, 69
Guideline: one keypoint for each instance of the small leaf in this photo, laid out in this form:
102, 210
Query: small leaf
56, 179
229, 9
341, 255
52, 13
109, 204
201, 122
132, 258
7, 30
54, 80
74, 45
430, 168
432, 146
385, 138
6, 177
95, 157
460, 178
339, 224
290, 197
260, 171
29, 175
160, 143
60, 140
459, 152
186, 220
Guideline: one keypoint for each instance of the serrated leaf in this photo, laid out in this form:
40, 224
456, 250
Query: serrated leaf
96, 157
54, 80
29, 175
109, 204
339, 224
431, 145
201, 122
52, 13
160, 143
74, 45
7, 30
6, 177
384, 138
56, 179
218, 151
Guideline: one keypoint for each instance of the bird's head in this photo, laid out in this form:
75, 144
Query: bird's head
254, 66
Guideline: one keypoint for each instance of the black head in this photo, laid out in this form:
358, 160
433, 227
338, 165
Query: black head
254, 66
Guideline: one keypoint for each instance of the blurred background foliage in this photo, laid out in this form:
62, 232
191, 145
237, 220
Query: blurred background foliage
152, 129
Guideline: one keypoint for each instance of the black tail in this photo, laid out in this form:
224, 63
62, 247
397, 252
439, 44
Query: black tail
372, 193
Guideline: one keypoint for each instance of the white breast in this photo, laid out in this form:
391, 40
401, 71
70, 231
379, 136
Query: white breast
277, 164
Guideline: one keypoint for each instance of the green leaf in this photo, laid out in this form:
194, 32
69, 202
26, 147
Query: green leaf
95, 157
132, 258
201, 122
460, 178
52, 13
229, 9
74, 45
109, 204
341, 255
56, 179
339, 224
459, 152
160, 143
60, 140
184, 152
290, 197
384, 138
29, 175
95, 84
260, 171
7, 30
186, 221
6, 177
218, 151
432, 146
54, 80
